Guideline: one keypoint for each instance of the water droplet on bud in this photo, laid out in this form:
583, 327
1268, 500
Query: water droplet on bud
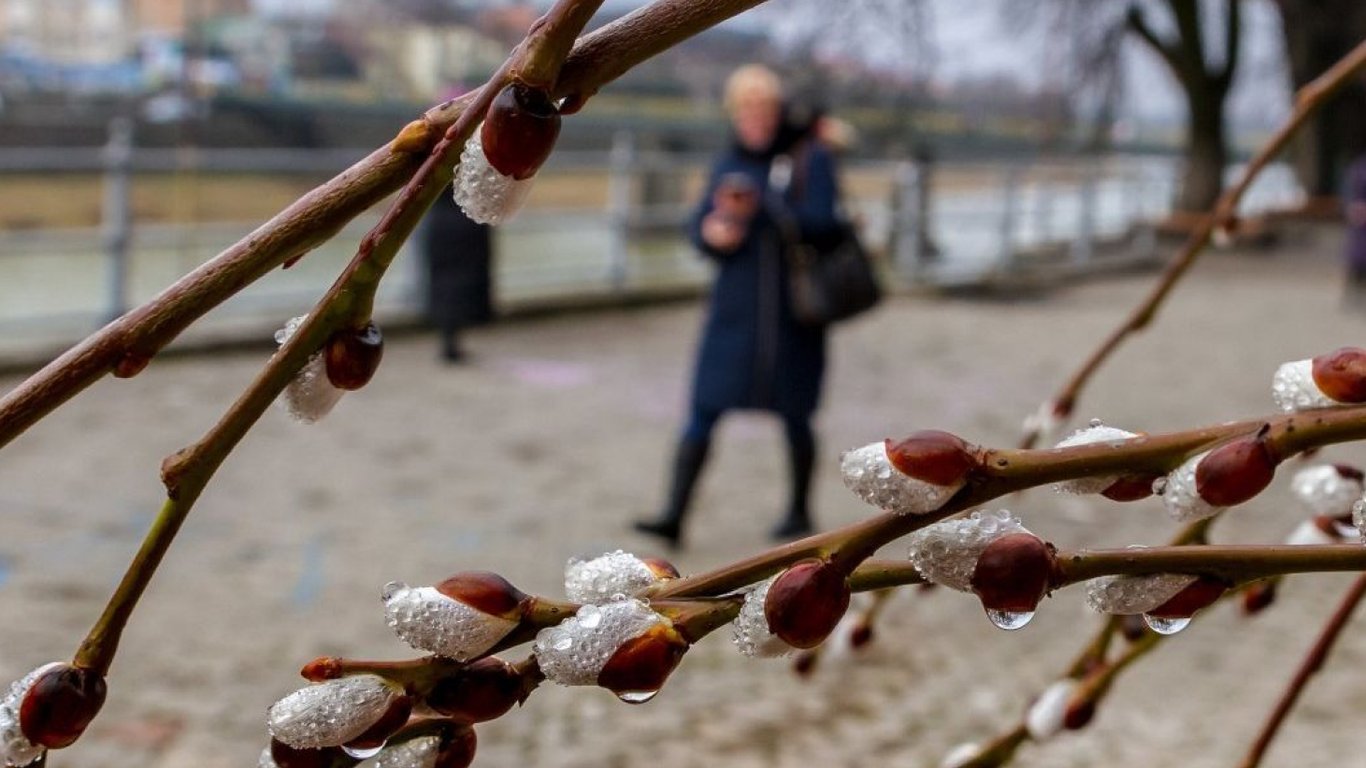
637, 697
1167, 626
363, 753
1010, 620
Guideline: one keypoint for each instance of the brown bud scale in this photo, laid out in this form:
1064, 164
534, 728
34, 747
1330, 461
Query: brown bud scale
1130, 488
484, 690
352, 356
1235, 472
520, 130
1341, 374
1013, 573
394, 718
642, 664
1200, 594
932, 456
484, 591
805, 603
60, 705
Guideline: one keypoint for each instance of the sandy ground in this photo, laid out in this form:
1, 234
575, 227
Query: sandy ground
558, 435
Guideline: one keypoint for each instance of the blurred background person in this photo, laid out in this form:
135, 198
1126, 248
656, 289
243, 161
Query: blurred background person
754, 355
459, 254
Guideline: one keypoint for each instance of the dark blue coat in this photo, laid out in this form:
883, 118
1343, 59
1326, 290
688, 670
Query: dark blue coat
754, 354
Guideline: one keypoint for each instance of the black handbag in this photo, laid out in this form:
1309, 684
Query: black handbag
831, 278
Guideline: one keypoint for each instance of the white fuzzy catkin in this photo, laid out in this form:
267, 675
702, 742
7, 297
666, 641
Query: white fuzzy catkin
871, 476
484, 194
1308, 533
1323, 490
1128, 595
266, 760
1180, 497
430, 621
1293, 388
421, 752
960, 755
750, 631
575, 651
1095, 433
946, 553
332, 713
1046, 715
1359, 516
15, 748
600, 579
310, 395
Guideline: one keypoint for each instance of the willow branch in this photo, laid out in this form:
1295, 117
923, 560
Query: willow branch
596, 59
1312, 663
1308, 101
1230, 563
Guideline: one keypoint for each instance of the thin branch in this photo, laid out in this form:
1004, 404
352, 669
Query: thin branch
1137, 23
1231, 563
1312, 663
596, 59
1308, 101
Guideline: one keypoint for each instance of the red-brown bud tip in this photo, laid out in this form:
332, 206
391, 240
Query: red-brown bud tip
484, 591
661, 568
485, 690
1349, 472
457, 749
932, 456
60, 705
286, 756
1200, 594
352, 356
862, 635
1079, 714
394, 718
806, 602
1258, 597
1012, 573
520, 130
1130, 488
1341, 374
642, 664
1235, 472
804, 663
1133, 627
322, 668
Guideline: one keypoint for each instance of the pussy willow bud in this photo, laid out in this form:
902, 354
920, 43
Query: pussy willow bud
1012, 573
352, 356
281, 755
1197, 595
1181, 491
961, 755
1235, 472
420, 752
750, 631
501, 158
1130, 488
910, 476
1259, 596
1359, 517
1341, 374
861, 635
16, 749
1327, 489
946, 552
1127, 595
60, 704
457, 749
335, 712
310, 395
576, 651
1046, 716
1094, 434
484, 690
600, 579
642, 664
461, 618
1318, 530
806, 601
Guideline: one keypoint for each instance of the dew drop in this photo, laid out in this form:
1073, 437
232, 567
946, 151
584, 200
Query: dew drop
637, 697
590, 616
1345, 530
1096, 423
1166, 626
391, 589
1010, 620
1160, 486
363, 753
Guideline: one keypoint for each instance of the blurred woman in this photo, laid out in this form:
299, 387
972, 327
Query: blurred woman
763, 191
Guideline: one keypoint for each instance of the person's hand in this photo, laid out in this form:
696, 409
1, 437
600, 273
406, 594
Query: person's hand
722, 232
736, 200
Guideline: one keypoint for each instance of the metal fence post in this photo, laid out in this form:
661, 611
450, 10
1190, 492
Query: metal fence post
117, 213
620, 194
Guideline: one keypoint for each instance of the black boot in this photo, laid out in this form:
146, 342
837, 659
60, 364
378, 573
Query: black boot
688, 463
801, 449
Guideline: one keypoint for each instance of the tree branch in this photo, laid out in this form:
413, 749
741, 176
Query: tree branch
1233, 564
1137, 22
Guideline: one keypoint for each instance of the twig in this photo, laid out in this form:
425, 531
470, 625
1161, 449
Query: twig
1231, 563
596, 59
1312, 663
1309, 99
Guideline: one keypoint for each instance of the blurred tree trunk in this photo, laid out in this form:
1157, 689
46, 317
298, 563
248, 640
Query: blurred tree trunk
1317, 34
1206, 87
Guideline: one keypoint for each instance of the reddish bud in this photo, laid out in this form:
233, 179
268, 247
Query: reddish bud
394, 718
862, 635
457, 748
804, 663
932, 456
520, 130
484, 591
286, 756
806, 602
1130, 488
60, 705
1079, 714
1200, 594
484, 690
642, 664
1258, 597
1235, 472
1133, 627
661, 568
1341, 374
322, 668
1349, 472
352, 356
1012, 573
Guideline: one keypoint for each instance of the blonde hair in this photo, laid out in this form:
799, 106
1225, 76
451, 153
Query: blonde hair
752, 82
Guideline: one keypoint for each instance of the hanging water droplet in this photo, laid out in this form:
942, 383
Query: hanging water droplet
1160, 486
1166, 626
362, 753
1096, 423
590, 616
1010, 620
637, 697
1345, 529
391, 589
